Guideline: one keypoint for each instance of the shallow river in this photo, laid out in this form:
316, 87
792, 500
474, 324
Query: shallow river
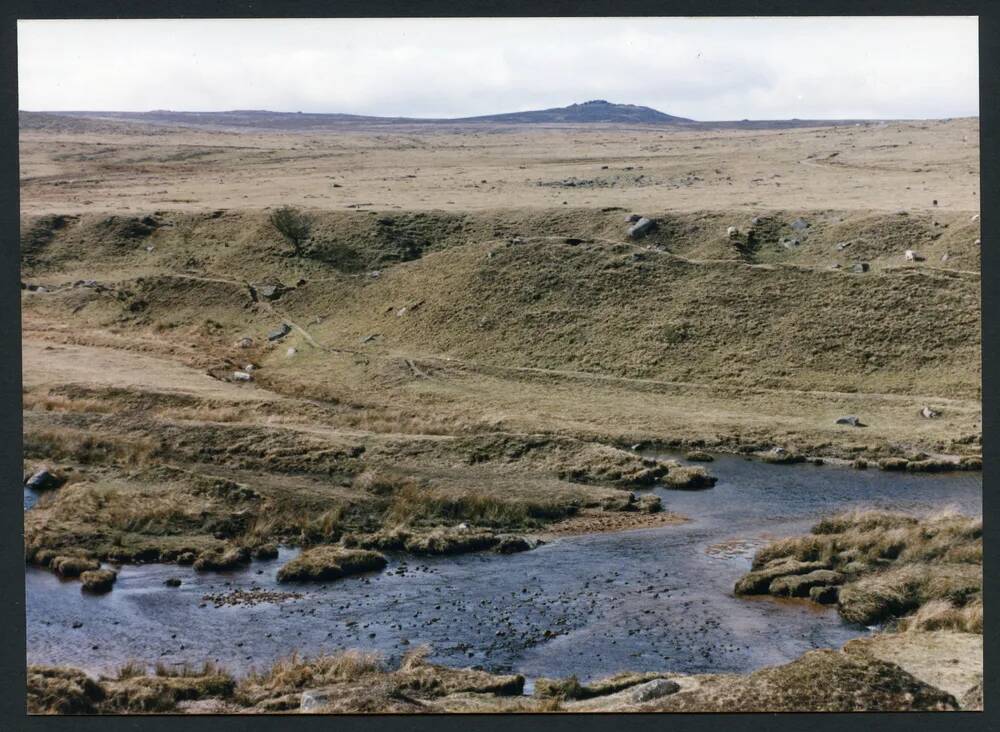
592, 605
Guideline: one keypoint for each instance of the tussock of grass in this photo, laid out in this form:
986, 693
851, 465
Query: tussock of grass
329, 563
295, 673
412, 504
86, 448
943, 615
888, 564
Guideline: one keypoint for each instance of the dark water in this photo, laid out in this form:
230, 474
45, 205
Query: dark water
644, 600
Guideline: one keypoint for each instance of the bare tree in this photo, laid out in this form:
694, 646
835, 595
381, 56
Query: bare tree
293, 225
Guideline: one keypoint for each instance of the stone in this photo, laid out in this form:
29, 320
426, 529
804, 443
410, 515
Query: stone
290, 352
280, 332
732, 232
172, 582
314, 700
859, 267
911, 256
242, 376
945, 257
269, 290
800, 224
851, 420
654, 689
44, 480
640, 228
632, 218
928, 413
244, 343
841, 246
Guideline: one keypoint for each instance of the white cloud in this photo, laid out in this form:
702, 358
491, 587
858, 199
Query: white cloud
701, 68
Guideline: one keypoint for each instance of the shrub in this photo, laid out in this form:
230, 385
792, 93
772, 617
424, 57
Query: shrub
293, 225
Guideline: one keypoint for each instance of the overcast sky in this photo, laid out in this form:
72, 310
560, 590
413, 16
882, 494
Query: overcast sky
707, 69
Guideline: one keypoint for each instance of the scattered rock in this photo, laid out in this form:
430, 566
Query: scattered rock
841, 246
242, 376
800, 224
271, 290
172, 582
280, 332
850, 420
655, 689
640, 228
860, 267
244, 343
44, 480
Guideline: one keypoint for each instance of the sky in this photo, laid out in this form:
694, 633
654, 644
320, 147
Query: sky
702, 68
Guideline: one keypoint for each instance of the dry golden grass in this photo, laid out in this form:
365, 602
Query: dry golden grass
893, 564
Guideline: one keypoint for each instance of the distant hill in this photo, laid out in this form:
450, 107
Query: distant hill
597, 111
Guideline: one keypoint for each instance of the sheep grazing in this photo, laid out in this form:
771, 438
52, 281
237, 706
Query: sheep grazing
732, 232
912, 256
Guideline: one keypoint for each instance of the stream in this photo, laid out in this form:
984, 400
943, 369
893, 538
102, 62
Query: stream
655, 599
